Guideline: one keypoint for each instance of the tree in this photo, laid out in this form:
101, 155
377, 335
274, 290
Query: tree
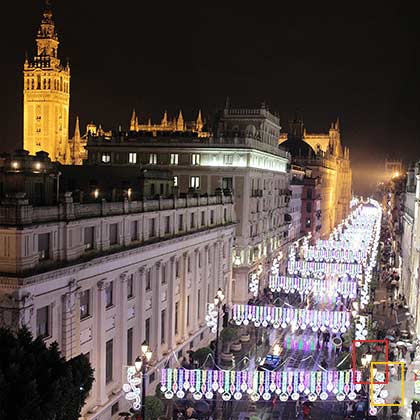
202, 355
154, 408
37, 383
228, 336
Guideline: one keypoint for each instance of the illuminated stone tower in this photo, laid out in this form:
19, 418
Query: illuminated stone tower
46, 96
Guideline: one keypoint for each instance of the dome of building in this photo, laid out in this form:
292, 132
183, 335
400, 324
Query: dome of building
298, 148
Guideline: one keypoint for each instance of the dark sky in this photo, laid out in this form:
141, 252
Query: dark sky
356, 61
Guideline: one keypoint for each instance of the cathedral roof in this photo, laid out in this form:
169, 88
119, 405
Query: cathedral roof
298, 148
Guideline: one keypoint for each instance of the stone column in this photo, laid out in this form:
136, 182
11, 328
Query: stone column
139, 330
205, 279
157, 307
70, 327
194, 292
171, 305
101, 395
122, 321
183, 301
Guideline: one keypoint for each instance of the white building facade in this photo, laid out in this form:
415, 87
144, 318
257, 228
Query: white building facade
242, 159
101, 278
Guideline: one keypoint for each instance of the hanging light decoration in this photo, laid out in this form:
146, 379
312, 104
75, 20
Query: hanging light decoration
305, 285
296, 318
260, 384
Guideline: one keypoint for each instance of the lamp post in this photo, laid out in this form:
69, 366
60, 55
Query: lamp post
218, 300
366, 359
135, 375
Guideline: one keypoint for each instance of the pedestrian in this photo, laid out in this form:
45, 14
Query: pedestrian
384, 306
399, 372
412, 355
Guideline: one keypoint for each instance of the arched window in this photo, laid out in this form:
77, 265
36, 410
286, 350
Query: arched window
32, 84
44, 83
38, 82
27, 84
49, 83
61, 84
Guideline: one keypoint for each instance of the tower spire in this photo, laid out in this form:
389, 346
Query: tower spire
180, 122
199, 122
133, 121
76, 135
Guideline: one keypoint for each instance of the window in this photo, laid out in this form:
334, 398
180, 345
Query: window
163, 274
129, 346
228, 159
152, 377
192, 220
224, 215
152, 228
176, 316
308, 207
167, 224
227, 183
195, 159
44, 246
203, 218
188, 310
162, 326
153, 158
198, 303
180, 222
106, 157
132, 158
85, 304
89, 233
108, 360
212, 217
309, 194
177, 268
189, 264
175, 181
195, 182
149, 279
130, 286
174, 158
43, 322
115, 408
109, 298
199, 259
134, 230
147, 330
113, 234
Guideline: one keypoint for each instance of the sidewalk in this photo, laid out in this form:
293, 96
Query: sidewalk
388, 320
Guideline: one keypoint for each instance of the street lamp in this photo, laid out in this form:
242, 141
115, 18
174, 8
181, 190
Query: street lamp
146, 355
218, 300
135, 375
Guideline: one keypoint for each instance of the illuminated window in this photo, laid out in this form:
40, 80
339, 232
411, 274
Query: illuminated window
153, 159
195, 159
106, 157
132, 158
174, 158
175, 181
195, 182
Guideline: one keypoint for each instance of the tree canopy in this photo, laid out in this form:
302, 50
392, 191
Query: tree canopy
37, 383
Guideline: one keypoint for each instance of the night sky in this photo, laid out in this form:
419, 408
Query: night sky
360, 64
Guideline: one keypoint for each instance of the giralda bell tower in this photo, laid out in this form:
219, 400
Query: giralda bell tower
46, 95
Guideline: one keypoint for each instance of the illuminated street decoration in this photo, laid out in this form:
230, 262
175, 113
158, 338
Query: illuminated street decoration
337, 255
260, 384
296, 318
305, 285
254, 281
132, 389
300, 343
211, 317
321, 268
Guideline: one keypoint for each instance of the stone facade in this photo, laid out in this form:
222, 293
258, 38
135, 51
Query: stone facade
330, 162
46, 96
241, 158
100, 278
